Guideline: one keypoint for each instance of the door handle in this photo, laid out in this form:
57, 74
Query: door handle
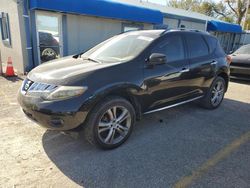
184, 70
214, 63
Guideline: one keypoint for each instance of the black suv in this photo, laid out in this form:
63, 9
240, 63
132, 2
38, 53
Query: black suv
106, 89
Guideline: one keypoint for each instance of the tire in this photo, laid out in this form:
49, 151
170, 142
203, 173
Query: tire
105, 120
217, 88
48, 54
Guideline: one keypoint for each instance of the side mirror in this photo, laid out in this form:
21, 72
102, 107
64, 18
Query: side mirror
157, 59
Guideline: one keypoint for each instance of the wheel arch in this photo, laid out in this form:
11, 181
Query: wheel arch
225, 77
129, 96
126, 91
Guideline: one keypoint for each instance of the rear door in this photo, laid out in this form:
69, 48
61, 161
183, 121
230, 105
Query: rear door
202, 62
166, 83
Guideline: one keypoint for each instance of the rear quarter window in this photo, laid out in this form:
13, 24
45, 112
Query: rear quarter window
197, 46
212, 43
219, 50
214, 46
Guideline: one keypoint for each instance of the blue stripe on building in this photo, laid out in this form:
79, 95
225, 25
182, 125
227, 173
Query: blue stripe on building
223, 27
101, 8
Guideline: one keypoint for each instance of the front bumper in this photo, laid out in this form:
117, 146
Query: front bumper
53, 115
239, 72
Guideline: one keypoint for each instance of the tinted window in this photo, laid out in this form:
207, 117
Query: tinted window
4, 28
172, 47
219, 50
212, 43
196, 45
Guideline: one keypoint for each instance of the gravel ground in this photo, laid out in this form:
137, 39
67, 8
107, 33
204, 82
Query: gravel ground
185, 146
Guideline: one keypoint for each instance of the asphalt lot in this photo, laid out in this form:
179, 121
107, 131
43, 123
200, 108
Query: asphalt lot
186, 146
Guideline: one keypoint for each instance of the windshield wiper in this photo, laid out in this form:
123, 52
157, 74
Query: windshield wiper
90, 59
78, 55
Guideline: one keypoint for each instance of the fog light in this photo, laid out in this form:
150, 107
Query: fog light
56, 123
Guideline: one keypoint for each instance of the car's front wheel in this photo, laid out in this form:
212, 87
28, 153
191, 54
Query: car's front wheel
215, 94
110, 123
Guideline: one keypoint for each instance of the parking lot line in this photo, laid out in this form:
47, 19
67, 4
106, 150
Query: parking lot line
222, 154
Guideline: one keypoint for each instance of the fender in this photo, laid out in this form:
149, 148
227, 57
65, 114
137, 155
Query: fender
133, 93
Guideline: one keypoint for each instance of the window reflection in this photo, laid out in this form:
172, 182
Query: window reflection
48, 36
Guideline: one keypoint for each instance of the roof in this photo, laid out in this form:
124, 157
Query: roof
161, 32
102, 8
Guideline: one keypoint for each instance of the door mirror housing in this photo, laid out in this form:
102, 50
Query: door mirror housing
157, 59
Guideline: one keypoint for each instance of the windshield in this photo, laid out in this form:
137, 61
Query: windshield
243, 50
120, 48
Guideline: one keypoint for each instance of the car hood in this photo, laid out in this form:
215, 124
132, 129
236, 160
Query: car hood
240, 58
65, 71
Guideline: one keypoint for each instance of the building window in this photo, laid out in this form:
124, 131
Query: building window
131, 27
5, 29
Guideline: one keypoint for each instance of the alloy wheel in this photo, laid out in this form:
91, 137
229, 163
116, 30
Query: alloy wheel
217, 93
114, 125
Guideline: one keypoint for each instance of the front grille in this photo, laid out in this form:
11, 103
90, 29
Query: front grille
240, 64
35, 87
30, 86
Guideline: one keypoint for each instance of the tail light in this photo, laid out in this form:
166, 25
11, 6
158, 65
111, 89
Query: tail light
229, 59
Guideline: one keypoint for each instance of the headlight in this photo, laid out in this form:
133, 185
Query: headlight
64, 92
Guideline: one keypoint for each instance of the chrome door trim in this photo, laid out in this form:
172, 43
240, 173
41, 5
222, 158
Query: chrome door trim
173, 105
214, 63
184, 70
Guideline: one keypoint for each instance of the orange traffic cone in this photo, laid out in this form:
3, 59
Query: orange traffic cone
9, 68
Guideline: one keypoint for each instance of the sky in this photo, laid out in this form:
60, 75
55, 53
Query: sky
163, 2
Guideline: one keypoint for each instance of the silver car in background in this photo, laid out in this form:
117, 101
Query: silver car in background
240, 66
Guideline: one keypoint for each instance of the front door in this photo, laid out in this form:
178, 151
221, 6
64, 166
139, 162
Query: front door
167, 83
49, 36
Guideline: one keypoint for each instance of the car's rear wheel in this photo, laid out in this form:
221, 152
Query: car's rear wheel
110, 123
215, 94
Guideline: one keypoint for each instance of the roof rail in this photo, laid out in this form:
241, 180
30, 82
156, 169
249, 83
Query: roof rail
165, 31
185, 29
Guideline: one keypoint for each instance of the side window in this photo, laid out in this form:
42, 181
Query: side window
197, 46
4, 28
172, 47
